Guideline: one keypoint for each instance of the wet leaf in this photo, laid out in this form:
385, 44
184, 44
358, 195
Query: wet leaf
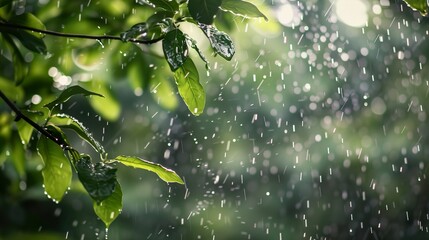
242, 8
204, 11
190, 89
33, 41
25, 130
108, 107
98, 179
67, 94
169, 5
221, 42
164, 173
194, 45
419, 5
66, 121
110, 208
57, 173
175, 48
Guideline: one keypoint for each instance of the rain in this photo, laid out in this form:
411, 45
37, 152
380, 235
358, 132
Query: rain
316, 129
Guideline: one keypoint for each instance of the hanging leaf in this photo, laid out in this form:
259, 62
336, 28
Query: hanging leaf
57, 173
18, 155
194, 45
110, 208
98, 179
67, 94
164, 173
25, 130
33, 41
168, 5
190, 89
204, 11
419, 5
221, 43
66, 121
242, 8
175, 48
20, 68
108, 107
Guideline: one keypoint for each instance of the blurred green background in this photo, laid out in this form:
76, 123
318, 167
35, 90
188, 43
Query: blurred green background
316, 129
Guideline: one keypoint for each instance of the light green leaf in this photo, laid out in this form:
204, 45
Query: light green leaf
66, 121
242, 8
67, 94
221, 42
108, 107
33, 41
419, 5
190, 89
175, 48
164, 93
98, 179
25, 130
13, 92
110, 208
57, 172
204, 11
164, 173
197, 49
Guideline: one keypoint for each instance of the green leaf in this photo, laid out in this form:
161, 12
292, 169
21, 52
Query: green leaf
33, 41
15, 93
67, 94
175, 48
18, 155
190, 89
168, 5
197, 49
164, 93
221, 42
57, 173
110, 208
20, 67
242, 8
66, 121
204, 11
98, 179
108, 107
419, 5
25, 130
164, 173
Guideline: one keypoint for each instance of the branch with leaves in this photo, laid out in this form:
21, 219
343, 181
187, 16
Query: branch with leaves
59, 157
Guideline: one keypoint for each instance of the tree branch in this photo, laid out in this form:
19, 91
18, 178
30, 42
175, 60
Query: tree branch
74, 35
20, 115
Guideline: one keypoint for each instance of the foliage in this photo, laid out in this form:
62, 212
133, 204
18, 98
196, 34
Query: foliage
22, 34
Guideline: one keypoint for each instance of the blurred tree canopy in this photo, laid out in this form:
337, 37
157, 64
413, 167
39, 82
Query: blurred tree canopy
312, 125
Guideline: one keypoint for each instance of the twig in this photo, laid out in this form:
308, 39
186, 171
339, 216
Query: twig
20, 115
75, 35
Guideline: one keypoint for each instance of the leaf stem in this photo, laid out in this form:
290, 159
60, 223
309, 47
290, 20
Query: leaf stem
74, 35
20, 115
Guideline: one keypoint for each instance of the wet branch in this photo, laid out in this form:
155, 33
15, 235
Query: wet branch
74, 35
20, 115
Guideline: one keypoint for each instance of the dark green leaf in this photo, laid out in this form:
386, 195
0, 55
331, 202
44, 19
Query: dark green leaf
15, 93
109, 209
145, 31
159, 17
168, 5
419, 5
108, 107
20, 67
25, 130
138, 31
242, 8
66, 121
164, 173
221, 43
31, 40
204, 11
175, 48
98, 179
190, 89
4, 2
69, 92
57, 173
